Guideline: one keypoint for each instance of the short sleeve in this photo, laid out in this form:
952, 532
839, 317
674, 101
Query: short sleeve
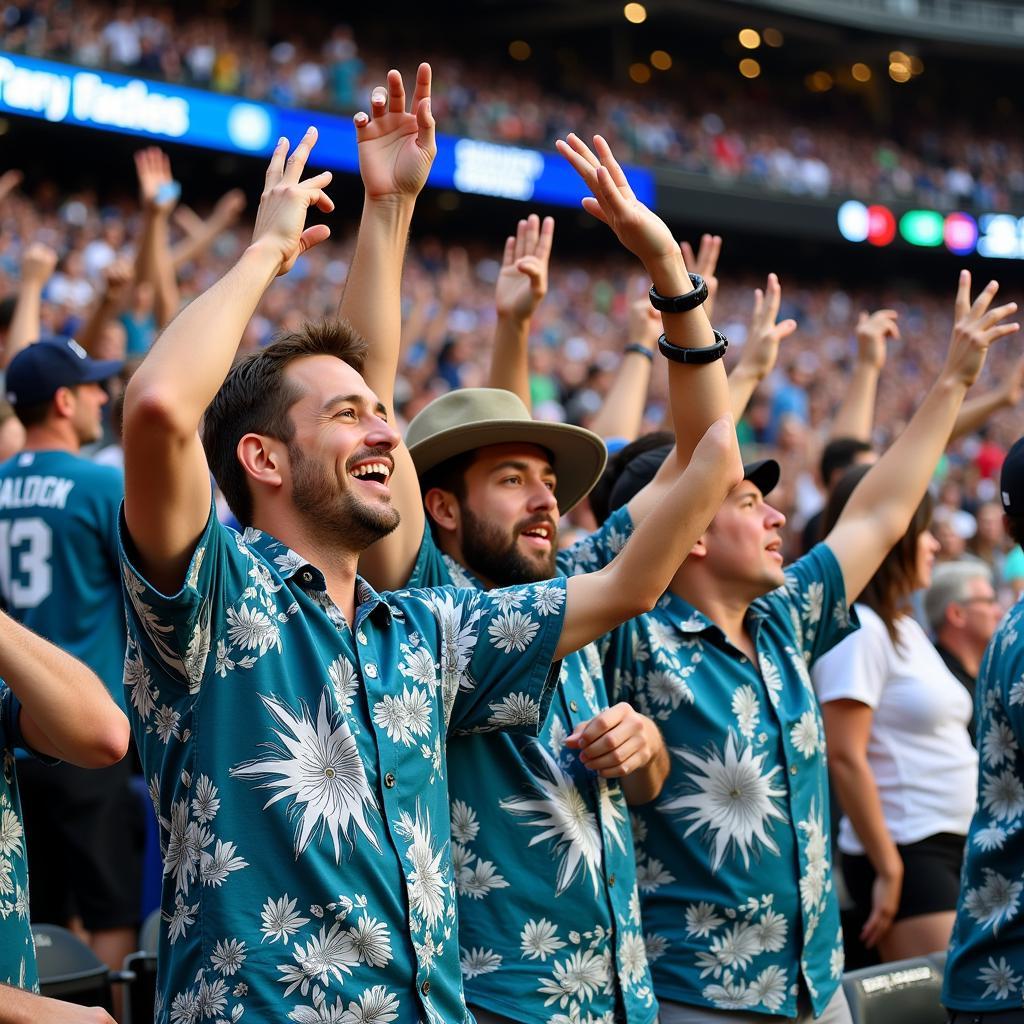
597, 549
858, 667
1013, 567
176, 629
618, 650
510, 636
817, 592
429, 570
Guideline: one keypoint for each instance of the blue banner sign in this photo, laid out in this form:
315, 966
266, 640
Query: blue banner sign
65, 94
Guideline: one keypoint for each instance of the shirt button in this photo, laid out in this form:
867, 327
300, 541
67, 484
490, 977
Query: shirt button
792, 769
361, 637
389, 780
425, 988
611, 879
762, 737
307, 577
573, 706
370, 670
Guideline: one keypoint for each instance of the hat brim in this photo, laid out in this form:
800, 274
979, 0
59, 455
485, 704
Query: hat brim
578, 456
102, 369
764, 474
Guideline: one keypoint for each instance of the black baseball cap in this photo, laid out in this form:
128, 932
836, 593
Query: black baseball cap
1011, 480
763, 474
37, 371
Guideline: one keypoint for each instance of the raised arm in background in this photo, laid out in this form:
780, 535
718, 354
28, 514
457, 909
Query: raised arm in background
879, 510
9, 181
977, 411
856, 414
117, 279
167, 481
37, 265
622, 412
66, 711
761, 349
396, 150
158, 195
698, 393
521, 286
705, 263
201, 234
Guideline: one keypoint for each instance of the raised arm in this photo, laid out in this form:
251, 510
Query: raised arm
698, 392
117, 278
856, 414
977, 411
167, 482
639, 575
158, 195
879, 510
201, 234
622, 412
37, 266
705, 263
761, 350
66, 711
396, 150
521, 286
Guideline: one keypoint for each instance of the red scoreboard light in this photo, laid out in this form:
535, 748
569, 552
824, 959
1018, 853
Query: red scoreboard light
881, 225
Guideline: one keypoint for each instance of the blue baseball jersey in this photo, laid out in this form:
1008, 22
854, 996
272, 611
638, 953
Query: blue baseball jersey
59, 570
549, 912
297, 767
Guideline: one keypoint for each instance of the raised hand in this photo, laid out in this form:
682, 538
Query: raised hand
640, 230
705, 263
873, 331
38, 263
761, 349
281, 217
396, 147
975, 328
9, 181
523, 280
644, 324
153, 169
116, 278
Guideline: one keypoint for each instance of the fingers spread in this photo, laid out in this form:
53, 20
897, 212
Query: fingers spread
276, 166
422, 90
396, 92
547, 234
296, 163
963, 294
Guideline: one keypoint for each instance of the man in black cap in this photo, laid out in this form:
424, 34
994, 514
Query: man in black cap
733, 860
985, 969
59, 576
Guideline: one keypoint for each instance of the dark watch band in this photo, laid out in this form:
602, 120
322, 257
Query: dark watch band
681, 303
708, 354
640, 350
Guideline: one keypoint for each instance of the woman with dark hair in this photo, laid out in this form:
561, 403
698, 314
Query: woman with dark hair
899, 752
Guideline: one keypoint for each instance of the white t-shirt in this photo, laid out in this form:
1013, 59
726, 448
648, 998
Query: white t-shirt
920, 753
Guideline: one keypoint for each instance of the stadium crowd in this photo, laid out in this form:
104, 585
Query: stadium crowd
290, 716
731, 133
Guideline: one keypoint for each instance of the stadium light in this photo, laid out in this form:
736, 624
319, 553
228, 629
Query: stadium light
772, 37
519, 49
960, 234
881, 225
922, 227
640, 73
749, 68
661, 60
635, 14
899, 73
750, 38
861, 72
819, 81
853, 221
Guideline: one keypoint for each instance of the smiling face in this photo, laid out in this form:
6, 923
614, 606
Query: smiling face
508, 530
743, 544
340, 458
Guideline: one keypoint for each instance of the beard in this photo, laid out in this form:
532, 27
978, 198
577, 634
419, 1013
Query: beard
336, 515
493, 554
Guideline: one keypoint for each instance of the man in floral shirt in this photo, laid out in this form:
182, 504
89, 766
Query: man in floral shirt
985, 969
291, 720
734, 865
549, 920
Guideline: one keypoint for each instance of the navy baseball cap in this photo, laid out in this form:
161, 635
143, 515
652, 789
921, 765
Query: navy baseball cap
763, 474
1011, 480
37, 371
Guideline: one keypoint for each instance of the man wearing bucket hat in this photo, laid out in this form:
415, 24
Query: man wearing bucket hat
59, 576
542, 846
733, 860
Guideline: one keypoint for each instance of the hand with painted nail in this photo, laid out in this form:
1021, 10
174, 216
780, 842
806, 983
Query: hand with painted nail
281, 217
523, 280
975, 328
639, 229
396, 147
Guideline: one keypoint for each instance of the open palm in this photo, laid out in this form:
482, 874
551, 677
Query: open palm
396, 147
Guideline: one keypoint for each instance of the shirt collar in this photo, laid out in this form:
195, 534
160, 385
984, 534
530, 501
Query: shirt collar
692, 622
308, 577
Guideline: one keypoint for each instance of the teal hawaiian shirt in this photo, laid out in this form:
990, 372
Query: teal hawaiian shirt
297, 768
985, 969
549, 913
17, 951
733, 860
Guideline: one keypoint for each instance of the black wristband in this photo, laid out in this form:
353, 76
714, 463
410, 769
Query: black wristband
639, 349
681, 303
708, 354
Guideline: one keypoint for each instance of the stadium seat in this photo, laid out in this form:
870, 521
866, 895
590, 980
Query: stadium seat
142, 965
901, 992
70, 970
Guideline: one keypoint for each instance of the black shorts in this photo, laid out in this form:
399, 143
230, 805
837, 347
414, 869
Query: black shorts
931, 876
84, 833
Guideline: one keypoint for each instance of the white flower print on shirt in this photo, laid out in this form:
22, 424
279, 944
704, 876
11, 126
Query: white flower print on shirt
465, 825
479, 961
747, 709
345, 682
514, 711
539, 939
404, 716
805, 735
228, 956
280, 919
995, 901
1003, 794
512, 631
999, 978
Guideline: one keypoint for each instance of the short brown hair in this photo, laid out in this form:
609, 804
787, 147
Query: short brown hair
255, 398
888, 592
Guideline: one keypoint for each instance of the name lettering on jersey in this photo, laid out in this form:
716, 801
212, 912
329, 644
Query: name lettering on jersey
35, 492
